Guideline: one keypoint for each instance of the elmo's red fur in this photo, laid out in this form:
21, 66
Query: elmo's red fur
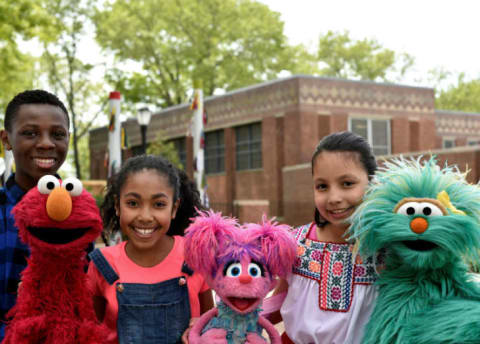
54, 305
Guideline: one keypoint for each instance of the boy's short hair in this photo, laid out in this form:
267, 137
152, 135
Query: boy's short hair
31, 97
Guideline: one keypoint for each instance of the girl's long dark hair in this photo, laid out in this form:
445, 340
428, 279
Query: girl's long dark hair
183, 189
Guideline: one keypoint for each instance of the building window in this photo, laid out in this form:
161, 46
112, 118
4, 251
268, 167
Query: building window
214, 152
448, 142
473, 142
249, 146
375, 131
181, 148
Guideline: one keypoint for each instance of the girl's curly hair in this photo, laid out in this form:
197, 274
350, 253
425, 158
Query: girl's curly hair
183, 189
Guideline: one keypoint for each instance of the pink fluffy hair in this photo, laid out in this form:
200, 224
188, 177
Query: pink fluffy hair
214, 240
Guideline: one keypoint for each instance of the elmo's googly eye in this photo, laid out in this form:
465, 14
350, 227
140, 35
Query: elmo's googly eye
233, 270
47, 183
254, 270
73, 186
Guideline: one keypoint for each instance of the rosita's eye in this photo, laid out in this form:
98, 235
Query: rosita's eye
73, 186
47, 183
233, 269
254, 270
419, 208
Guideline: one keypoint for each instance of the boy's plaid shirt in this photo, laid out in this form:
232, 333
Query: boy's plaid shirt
13, 252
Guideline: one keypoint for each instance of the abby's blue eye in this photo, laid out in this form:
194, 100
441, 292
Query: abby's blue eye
233, 269
254, 270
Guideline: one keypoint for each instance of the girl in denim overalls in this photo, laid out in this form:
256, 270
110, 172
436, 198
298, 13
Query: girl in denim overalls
142, 290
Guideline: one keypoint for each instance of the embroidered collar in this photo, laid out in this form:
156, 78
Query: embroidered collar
237, 325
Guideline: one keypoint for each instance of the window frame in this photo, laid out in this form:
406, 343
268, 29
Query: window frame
219, 151
448, 139
182, 154
369, 137
253, 152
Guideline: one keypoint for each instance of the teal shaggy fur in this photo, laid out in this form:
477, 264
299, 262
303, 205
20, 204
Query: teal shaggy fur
426, 293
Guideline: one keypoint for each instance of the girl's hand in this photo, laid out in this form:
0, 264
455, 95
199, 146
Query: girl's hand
187, 331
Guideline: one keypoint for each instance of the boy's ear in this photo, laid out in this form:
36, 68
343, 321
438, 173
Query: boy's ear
5, 140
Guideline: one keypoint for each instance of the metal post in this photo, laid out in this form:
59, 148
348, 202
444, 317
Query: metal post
143, 131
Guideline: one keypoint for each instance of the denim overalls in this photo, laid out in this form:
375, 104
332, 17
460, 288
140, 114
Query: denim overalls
148, 313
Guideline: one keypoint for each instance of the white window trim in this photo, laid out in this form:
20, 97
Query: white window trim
448, 138
369, 130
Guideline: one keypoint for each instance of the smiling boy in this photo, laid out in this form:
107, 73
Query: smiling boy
36, 131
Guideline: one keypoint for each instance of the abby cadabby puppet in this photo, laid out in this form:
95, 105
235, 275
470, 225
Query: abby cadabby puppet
57, 220
240, 264
427, 219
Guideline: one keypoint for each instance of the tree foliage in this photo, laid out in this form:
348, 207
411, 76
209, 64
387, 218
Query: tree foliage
165, 149
20, 19
464, 95
225, 43
341, 56
68, 74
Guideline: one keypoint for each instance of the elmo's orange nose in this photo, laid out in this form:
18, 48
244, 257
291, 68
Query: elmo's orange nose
419, 225
59, 204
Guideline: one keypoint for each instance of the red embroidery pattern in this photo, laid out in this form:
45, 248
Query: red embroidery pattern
332, 266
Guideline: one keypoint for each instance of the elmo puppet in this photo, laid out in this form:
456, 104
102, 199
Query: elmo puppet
57, 220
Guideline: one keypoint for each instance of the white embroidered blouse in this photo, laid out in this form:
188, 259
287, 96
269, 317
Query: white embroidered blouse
330, 297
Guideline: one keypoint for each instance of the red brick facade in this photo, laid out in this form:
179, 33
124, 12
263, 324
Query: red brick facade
295, 113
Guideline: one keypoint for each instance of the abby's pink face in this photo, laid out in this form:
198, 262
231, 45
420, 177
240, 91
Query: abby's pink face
242, 285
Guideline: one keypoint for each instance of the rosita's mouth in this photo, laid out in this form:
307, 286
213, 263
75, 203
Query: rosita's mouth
57, 235
420, 245
242, 303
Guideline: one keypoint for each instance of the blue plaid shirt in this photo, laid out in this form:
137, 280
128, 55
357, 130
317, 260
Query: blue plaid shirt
13, 252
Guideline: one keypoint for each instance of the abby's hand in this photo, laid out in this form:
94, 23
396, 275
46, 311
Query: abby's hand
187, 331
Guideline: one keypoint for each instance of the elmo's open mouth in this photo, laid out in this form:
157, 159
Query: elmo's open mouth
57, 235
242, 303
420, 245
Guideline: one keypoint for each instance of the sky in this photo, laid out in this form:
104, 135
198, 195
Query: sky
438, 34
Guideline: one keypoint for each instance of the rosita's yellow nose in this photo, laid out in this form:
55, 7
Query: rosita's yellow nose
59, 204
418, 225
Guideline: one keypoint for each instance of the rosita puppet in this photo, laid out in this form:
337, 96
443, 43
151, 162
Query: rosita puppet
240, 264
57, 219
427, 219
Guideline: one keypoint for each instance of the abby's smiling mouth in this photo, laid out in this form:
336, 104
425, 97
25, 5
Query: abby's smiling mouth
242, 303
420, 245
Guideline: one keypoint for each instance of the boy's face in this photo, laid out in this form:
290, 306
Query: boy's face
39, 141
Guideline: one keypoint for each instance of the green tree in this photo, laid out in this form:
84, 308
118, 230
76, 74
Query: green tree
341, 56
19, 20
225, 43
165, 149
69, 75
464, 95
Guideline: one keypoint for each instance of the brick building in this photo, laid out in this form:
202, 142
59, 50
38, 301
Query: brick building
259, 139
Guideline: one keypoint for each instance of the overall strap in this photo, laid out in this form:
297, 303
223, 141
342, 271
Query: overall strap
103, 266
186, 269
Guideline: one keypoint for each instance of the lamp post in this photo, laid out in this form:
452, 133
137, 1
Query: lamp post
143, 117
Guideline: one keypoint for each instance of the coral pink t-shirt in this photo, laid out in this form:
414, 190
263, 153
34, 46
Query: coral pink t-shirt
129, 272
